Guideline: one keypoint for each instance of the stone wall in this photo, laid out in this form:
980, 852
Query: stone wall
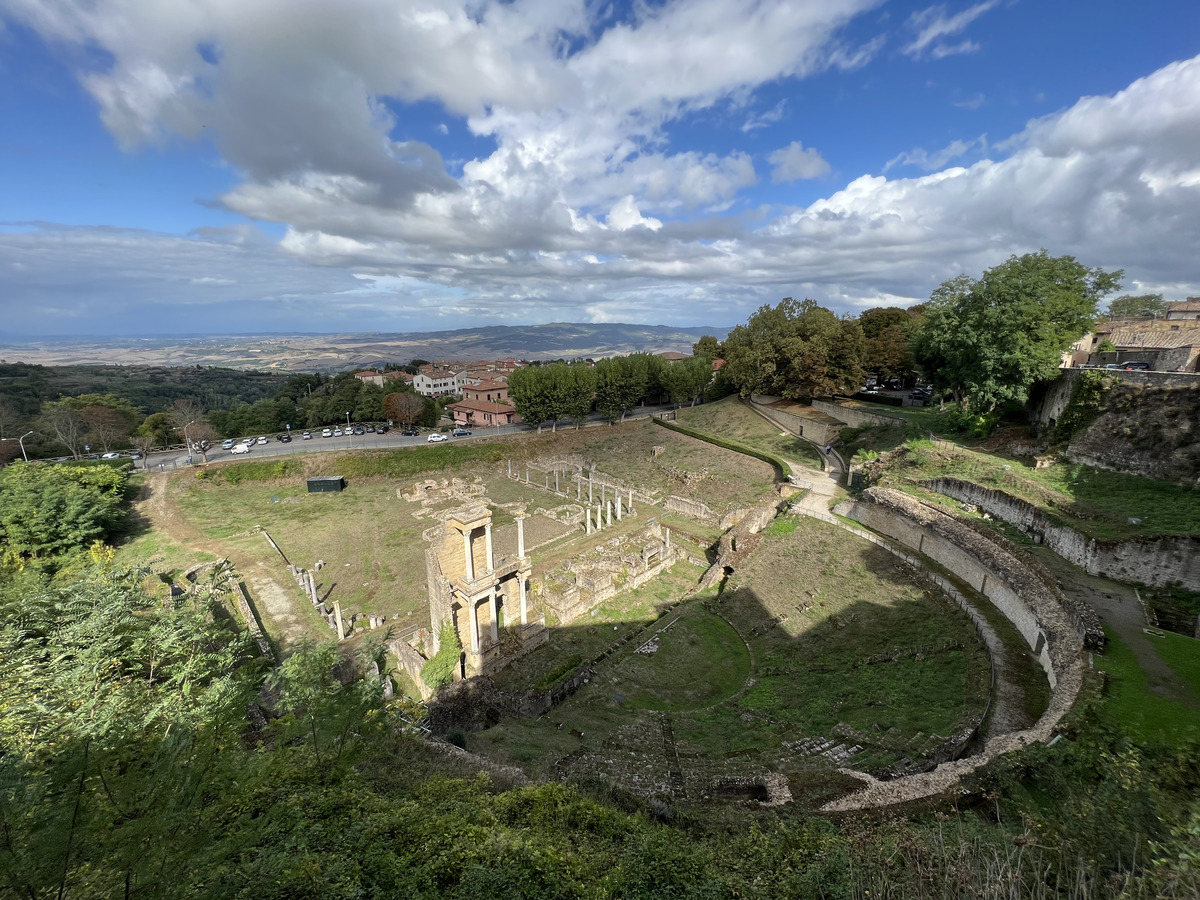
813, 430
1016, 592
693, 509
1156, 561
856, 418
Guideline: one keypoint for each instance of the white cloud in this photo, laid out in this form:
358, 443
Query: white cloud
625, 215
933, 24
764, 119
929, 162
794, 162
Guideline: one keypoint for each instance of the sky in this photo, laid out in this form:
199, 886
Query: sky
232, 167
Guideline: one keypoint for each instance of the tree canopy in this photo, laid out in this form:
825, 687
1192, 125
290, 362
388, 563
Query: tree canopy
990, 339
1136, 306
797, 349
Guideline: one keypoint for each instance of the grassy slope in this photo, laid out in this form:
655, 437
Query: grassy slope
729, 418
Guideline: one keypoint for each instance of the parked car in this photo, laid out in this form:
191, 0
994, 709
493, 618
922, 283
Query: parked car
110, 455
263, 440
228, 444
326, 432
358, 429
337, 432
382, 429
461, 432
284, 438
307, 436
410, 432
435, 438
242, 448
1137, 366
370, 429
248, 441
136, 454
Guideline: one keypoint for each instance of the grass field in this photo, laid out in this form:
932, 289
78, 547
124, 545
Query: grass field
730, 418
1097, 502
820, 634
1145, 715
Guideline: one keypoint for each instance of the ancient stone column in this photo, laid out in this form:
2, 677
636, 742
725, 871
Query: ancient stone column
667, 532
474, 626
527, 476
469, 560
579, 489
631, 500
495, 618
524, 601
589, 488
521, 536
608, 513
602, 486
510, 468
487, 538
556, 479
588, 514
618, 507
337, 615
599, 517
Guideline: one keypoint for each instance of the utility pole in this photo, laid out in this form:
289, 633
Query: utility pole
22, 442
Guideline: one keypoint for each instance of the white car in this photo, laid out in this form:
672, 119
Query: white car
248, 441
110, 455
308, 435
337, 432
327, 432
435, 438
263, 440
241, 448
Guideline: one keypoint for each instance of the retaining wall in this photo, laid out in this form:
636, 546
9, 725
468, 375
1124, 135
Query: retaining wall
855, 418
1156, 561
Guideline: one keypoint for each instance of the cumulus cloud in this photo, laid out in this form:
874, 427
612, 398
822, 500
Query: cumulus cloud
583, 204
794, 162
933, 25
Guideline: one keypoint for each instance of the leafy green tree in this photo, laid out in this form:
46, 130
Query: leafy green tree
608, 389
161, 427
707, 346
582, 393
1136, 306
795, 350
989, 340
51, 510
887, 331
528, 392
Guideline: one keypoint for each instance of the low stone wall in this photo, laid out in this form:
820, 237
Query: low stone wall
693, 509
815, 430
1022, 597
855, 418
1156, 561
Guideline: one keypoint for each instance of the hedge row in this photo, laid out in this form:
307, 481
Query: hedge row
781, 468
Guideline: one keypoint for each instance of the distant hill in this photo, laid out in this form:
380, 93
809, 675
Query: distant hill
337, 352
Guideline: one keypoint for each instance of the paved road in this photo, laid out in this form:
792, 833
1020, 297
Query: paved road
175, 459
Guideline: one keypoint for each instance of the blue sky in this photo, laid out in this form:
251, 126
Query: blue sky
380, 165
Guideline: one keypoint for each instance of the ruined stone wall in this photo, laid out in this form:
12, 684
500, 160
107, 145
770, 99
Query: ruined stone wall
693, 509
1022, 597
441, 603
855, 418
1156, 561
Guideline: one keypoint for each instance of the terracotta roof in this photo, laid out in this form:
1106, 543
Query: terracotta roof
366, 373
404, 375
1191, 304
718, 365
490, 385
483, 406
1130, 339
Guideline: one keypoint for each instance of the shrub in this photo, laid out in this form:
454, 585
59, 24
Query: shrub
440, 669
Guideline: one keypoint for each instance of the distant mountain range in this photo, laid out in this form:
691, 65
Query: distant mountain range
337, 352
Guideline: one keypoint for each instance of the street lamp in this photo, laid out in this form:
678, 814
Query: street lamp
349, 433
187, 440
22, 442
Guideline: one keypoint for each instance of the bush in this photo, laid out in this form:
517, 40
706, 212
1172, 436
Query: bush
440, 669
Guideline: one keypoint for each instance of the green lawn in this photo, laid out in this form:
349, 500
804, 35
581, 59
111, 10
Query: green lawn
1147, 716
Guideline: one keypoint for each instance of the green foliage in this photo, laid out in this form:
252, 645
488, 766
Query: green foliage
1136, 306
556, 674
1086, 404
441, 667
782, 469
264, 470
795, 350
53, 510
990, 339
975, 424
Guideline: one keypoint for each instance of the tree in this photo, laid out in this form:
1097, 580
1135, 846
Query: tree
989, 340
707, 346
795, 350
105, 426
10, 419
887, 331
203, 436
50, 510
64, 424
144, 443
527, 391
1137, 306
160, 426
403, 407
